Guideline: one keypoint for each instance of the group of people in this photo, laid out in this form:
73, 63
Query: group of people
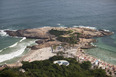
96, 63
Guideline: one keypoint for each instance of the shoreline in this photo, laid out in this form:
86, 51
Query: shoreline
45, 29
80, 55
74, 52
44, 49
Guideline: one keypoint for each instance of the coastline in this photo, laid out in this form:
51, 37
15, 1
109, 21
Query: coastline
80, 55
46, 29
43, 50
73, 52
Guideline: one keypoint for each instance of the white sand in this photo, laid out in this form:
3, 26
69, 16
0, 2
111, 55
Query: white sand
40, 54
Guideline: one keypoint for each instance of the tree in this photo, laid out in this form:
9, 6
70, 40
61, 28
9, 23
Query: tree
99, 73
56, 58
86, 65
47, 68
8, 73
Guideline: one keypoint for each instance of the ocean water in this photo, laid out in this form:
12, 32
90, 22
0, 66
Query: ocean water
22, 14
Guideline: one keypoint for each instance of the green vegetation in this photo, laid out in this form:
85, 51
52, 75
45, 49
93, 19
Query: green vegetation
46, 68
66, 36
58, 32
72, 39
86, 65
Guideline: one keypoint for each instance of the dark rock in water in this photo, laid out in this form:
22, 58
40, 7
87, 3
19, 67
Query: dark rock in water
28, 46
104, 32
11, 33
41, 41
87, 47
35, 47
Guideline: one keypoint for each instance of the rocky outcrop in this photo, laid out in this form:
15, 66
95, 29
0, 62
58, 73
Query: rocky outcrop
44, 40
41, 33
47, 39
47, 44
97, 33
87, 47
105, 33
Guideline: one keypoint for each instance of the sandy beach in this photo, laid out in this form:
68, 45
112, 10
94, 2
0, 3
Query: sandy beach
39, 54
44, 50
74, 52
34, 55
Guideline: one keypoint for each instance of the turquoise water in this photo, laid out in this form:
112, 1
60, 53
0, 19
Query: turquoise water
22, 14
103, 51
13, 52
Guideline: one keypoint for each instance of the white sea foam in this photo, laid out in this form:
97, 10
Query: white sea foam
0, 50
17, 42
11, 55
106, 30
19, 49
22, 39
44, 27
63, 26
93, 44
58, 24
85, 27
3, 49
13, 45
3, 33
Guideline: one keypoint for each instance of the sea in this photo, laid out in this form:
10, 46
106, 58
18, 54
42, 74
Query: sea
25, 14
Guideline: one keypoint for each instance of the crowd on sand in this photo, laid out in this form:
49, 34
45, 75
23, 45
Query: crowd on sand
81, 56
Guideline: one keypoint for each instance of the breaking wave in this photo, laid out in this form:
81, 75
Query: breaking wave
85, 27
22, 39
15, 50
3, 33
14, 44
11, 55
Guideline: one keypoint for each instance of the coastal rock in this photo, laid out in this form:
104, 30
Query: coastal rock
11, 33
91, 34
86, 32
87, 47
106, 32
41, 33
86, 40
44, 40
47, 40
47, 44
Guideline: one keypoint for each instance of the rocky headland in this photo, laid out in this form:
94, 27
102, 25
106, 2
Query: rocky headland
47, 39
43, 33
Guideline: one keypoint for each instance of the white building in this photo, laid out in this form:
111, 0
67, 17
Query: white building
61, 62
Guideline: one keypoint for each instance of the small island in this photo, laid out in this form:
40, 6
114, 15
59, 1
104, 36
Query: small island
66, 42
